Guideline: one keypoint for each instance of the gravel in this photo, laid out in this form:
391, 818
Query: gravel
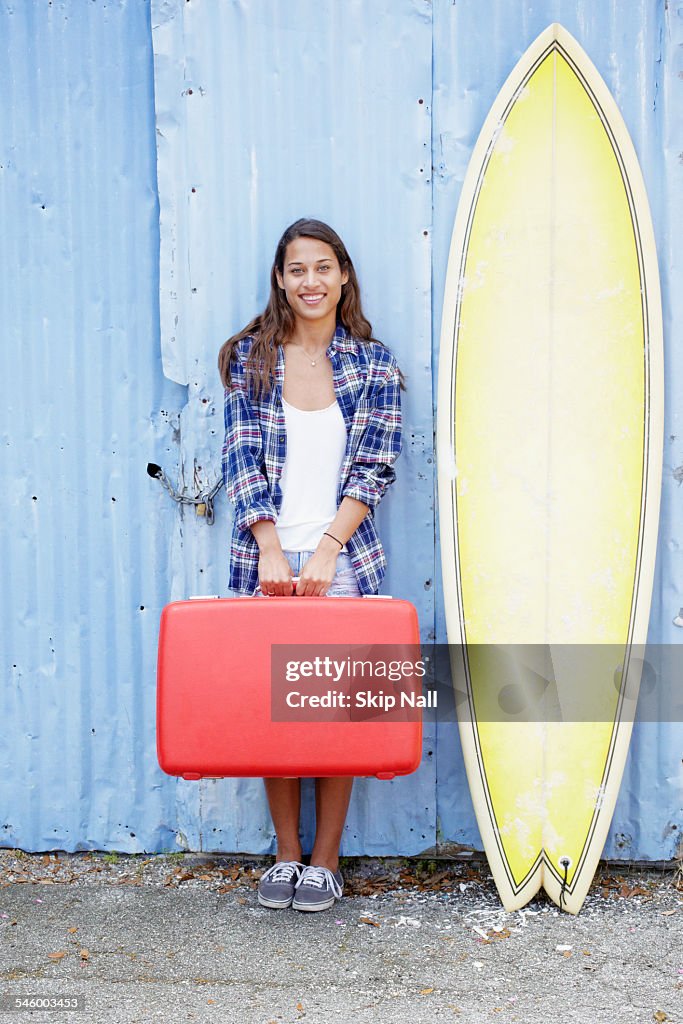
182, 937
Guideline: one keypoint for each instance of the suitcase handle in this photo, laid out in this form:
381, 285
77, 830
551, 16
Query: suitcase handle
295, 580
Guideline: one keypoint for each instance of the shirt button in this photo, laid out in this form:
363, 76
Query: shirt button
282, 438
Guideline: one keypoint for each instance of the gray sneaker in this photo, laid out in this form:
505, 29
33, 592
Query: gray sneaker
276, 887
317, 889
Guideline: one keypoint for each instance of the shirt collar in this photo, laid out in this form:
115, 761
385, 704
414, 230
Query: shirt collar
343, 341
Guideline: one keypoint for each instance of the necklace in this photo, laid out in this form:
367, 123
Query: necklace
317, 355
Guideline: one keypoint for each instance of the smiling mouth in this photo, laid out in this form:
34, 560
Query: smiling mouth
312, 300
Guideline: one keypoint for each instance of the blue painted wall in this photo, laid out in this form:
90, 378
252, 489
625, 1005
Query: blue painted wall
118, 284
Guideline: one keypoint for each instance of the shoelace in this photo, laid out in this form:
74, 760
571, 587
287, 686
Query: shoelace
282, 871
318, 878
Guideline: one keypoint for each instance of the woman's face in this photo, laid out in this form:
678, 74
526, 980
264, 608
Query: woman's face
312, 280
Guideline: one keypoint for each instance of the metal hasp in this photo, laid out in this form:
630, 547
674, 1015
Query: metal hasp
203, 501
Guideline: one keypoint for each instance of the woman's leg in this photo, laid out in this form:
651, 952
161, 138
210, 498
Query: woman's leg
284, 795
332, 796
284, 800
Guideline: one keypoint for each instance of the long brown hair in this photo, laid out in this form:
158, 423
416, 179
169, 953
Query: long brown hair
275, 325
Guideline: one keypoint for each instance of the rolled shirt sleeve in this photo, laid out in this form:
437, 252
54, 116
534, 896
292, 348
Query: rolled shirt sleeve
244, 472
379, 445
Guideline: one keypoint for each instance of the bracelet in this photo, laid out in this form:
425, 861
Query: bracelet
334, 538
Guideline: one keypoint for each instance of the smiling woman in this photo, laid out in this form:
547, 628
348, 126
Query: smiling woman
312, 280
312, 429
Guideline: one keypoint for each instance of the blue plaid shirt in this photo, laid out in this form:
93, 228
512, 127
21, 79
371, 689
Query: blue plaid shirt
366, 385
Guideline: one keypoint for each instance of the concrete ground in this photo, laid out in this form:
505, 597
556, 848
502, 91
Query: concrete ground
182, 938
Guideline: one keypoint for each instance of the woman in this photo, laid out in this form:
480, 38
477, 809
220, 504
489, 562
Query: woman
313, 427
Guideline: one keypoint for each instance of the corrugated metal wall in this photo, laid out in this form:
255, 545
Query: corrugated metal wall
263, 112
84, 404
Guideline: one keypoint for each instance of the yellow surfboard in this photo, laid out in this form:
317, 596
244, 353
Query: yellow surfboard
549, 444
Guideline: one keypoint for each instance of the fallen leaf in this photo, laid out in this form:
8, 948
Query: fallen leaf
626, 891
567, 952
211, 1001
659, 1015
668, 913
233, 873
426, 991
300, 1008
72, 931
368, 920
84, 954
58, 955
242, 900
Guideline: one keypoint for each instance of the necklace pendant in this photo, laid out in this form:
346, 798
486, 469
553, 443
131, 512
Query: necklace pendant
312, 362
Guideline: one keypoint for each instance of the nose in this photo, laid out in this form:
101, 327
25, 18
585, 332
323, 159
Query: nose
311, 277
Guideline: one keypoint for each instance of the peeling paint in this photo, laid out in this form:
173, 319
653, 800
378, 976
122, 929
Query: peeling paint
216, 253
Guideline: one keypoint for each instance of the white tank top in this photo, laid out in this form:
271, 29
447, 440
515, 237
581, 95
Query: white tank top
316, 443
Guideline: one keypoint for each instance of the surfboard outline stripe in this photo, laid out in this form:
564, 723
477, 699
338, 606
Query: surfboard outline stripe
648, 279
556, 47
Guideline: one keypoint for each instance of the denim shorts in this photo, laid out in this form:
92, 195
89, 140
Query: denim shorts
344, 584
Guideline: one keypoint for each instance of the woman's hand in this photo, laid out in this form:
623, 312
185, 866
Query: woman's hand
319, 570
274, 574
274, 571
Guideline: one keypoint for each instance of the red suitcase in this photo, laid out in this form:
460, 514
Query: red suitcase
239, 691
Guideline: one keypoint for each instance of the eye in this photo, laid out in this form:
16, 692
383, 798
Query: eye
296, 270
324, 268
